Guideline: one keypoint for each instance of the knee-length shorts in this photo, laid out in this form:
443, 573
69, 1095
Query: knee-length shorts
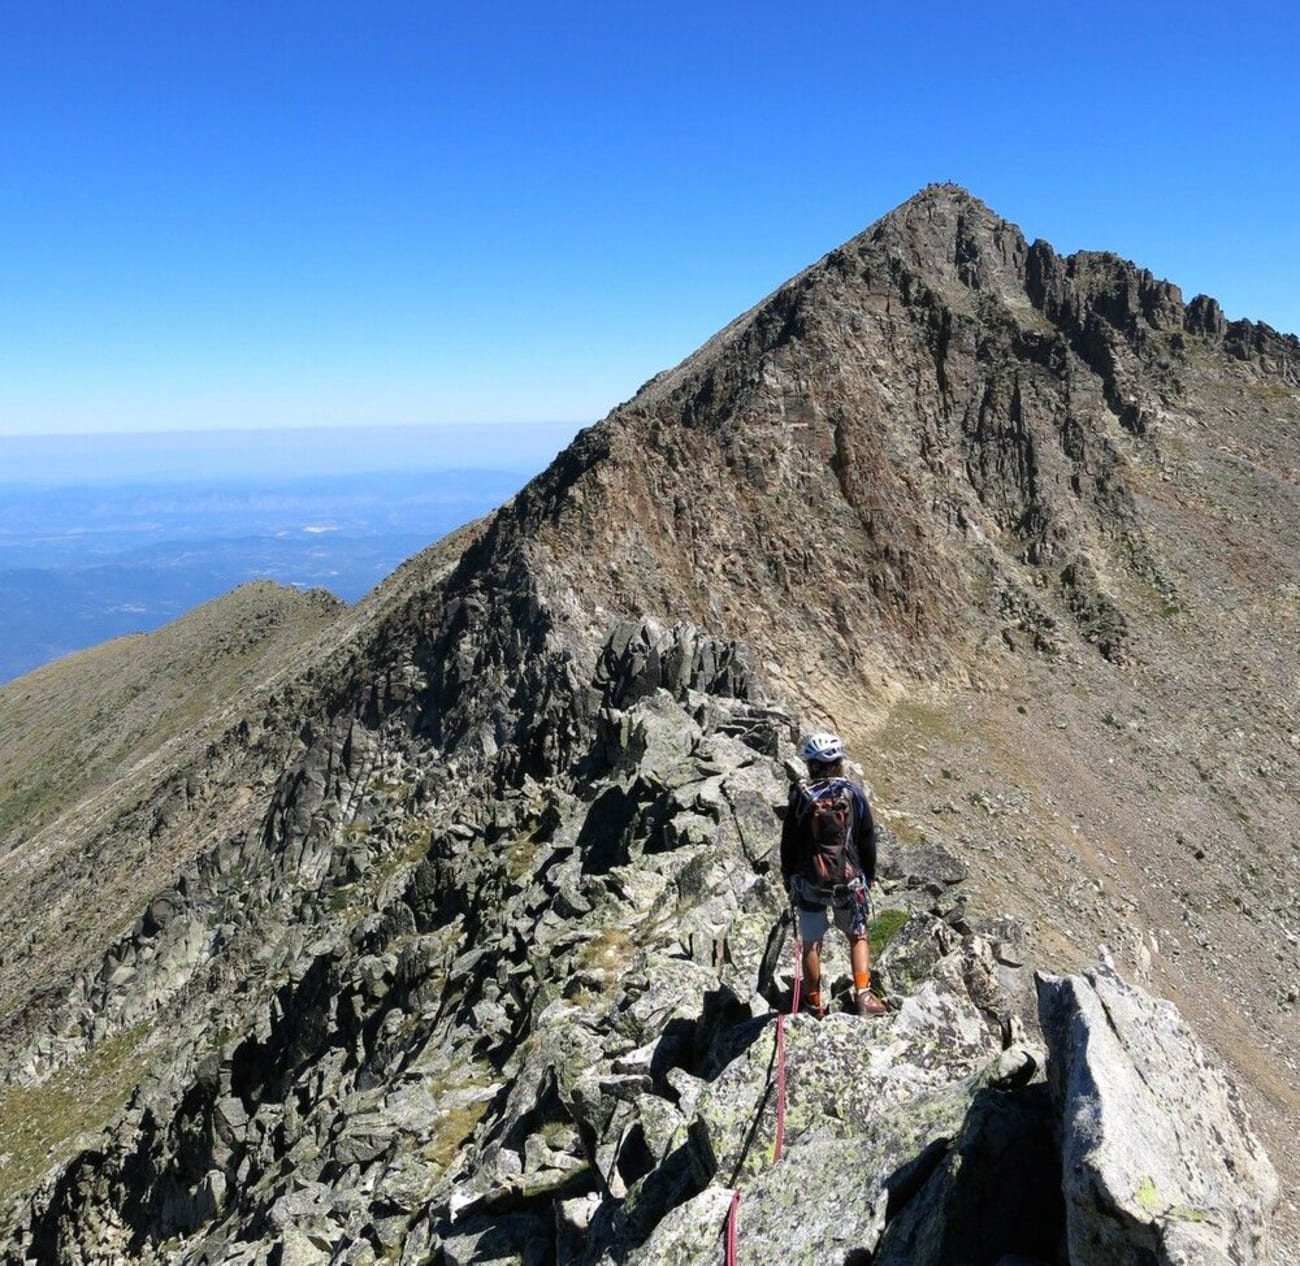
813, 924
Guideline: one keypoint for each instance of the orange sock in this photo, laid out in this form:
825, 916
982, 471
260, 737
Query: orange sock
862, 981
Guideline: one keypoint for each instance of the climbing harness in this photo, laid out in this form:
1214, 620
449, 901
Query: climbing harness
851, 894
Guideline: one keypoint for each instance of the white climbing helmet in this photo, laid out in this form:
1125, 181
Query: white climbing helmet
822, 746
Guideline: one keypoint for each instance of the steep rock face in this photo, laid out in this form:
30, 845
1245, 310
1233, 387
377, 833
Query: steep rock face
1126, 1073
897, 430
471, 929
921, 439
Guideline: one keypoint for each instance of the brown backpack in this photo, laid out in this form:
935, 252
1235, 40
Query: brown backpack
829, 812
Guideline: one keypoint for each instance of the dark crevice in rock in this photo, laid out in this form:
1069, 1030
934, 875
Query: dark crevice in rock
909, 1179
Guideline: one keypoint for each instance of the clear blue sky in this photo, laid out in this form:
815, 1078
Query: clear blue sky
250, 213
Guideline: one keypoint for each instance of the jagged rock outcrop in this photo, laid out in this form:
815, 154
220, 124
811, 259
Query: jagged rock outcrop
1159, 1163
462, 941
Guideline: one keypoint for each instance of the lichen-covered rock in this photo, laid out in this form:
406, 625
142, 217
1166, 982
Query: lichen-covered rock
842, 1074
1159, 1162
690, 1235
820, 1204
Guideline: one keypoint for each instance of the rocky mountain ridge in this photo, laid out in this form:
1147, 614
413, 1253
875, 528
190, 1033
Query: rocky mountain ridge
543, 1037
941, 465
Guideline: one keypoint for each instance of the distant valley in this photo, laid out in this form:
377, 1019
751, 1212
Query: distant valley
84, 564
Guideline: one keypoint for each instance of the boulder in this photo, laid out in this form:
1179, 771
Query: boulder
1159, 1162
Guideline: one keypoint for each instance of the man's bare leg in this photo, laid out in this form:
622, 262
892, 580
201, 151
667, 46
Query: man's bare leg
812, 974
860, 956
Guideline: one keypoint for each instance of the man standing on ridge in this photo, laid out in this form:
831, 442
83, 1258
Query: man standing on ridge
828, 859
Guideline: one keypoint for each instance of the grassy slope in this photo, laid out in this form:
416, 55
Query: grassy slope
69, 727
89, 740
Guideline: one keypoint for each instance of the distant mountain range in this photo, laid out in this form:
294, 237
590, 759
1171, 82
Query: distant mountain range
80, 565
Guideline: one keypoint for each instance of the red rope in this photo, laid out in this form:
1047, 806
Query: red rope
780, 1089
730, 1238
780, 1052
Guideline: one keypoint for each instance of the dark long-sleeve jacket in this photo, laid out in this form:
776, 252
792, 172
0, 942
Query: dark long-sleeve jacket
796, 835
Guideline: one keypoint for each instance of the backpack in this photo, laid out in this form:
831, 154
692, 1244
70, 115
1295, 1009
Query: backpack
828, 811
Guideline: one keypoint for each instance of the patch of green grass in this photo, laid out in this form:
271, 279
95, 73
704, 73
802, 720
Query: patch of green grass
904, 826
39, 1123
455, 1125
920, 720
520, 857
883, 927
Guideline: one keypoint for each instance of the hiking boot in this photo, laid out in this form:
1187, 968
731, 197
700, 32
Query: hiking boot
812, 1005
869, 1004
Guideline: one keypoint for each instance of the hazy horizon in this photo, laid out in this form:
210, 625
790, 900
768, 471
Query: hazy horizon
83, 563
276, 453
114, 533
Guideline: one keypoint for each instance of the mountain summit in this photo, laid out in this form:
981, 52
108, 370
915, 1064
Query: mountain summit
949, 415
453, 936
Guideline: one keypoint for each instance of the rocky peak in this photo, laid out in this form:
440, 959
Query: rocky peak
469, 944
944, 238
